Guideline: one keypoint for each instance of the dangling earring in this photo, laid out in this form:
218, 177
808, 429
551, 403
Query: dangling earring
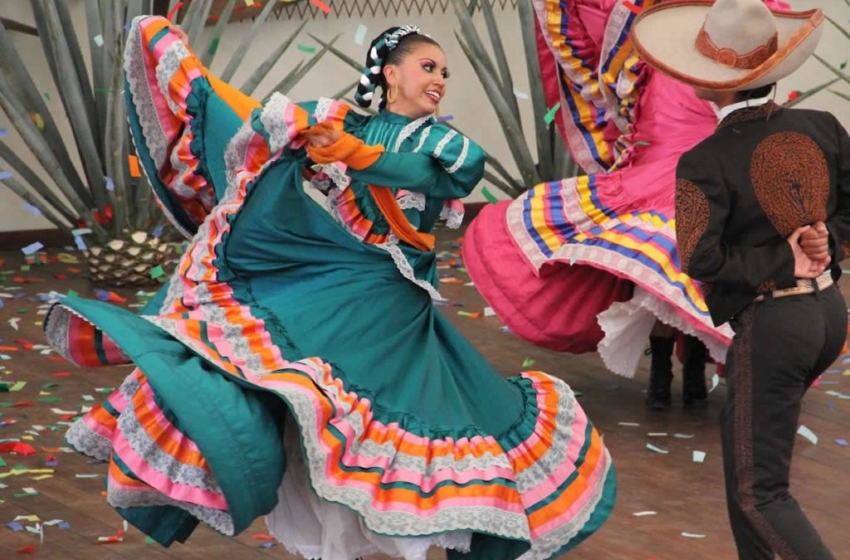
392, 94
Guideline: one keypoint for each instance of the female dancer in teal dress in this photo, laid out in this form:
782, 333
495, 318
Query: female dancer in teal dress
295, 365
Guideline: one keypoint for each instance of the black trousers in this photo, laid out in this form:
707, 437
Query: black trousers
780, 347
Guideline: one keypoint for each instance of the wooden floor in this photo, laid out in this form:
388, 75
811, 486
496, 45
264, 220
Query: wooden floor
685, 496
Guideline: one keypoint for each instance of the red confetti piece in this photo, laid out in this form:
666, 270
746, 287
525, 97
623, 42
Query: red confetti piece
22, 404
25, 343
262, 537
17, 447
29, 549
61, 374
793, 95
632, 8
116, 298
173, 11
321, 5
8, 348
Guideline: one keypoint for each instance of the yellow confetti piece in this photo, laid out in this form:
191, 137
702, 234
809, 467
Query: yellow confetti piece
42, 477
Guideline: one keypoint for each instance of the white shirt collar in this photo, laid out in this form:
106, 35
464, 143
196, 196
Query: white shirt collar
729, 109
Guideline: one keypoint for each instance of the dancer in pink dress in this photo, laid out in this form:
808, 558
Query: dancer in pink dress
590, 262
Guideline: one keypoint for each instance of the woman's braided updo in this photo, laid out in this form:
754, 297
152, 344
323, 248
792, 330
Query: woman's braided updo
390, 47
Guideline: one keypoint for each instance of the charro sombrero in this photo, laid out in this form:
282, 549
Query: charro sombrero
728, 45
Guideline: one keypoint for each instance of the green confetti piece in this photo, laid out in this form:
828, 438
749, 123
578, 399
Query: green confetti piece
213, 46
49, 399
50, 385
528, 362
550, 116
2, 462
489, 196
306, 49
843, 65
18, 386
149, 540
47, 96
72, 293
157, 271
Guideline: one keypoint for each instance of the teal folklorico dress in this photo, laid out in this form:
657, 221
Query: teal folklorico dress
295, 365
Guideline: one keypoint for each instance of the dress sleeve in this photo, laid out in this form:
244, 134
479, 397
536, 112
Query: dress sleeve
445, 164
702, 208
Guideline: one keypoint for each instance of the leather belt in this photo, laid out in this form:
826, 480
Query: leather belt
804, 286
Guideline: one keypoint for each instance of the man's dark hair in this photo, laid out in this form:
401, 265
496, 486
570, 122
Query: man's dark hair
756, 93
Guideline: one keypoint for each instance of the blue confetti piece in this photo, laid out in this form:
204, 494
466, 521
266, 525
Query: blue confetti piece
15, 526
127, 27
2, 303
81, 243
841, 442
2, 132
110, 186
268, 545
32, 209
64, 525
102, 295
157, 231
32, 248
446, 118
5, 174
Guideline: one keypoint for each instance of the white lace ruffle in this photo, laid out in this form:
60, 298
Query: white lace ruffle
627, 326
321, 530
403, 266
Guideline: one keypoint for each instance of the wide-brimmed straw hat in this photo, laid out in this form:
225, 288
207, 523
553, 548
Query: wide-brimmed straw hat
728, 45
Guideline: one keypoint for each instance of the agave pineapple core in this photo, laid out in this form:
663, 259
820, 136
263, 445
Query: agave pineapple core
128, 262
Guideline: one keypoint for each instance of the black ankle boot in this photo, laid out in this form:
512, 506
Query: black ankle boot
661, 373
694, 392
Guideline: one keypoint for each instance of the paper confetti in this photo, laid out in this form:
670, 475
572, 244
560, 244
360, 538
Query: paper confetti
550, 116
306, 49
133, 162
693, 536
631, 7
715, 381
173, 11
2, 132
656, 449
699, 456
628, 424
808, 434
360, 35
644, 513
841, 442
32, 209
32, 248
528, 362
110, 185
322, 6
489, 196
98, 40
520, 94
5, 175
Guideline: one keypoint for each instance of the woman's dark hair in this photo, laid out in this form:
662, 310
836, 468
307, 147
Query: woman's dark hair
390, 47
756, 93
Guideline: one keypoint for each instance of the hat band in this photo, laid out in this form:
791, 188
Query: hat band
728, 57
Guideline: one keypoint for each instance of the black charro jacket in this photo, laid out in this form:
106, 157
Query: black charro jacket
741, 192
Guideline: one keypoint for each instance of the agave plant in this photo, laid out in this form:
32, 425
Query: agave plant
840, 69
108, 201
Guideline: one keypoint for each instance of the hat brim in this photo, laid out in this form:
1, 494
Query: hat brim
665, 36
